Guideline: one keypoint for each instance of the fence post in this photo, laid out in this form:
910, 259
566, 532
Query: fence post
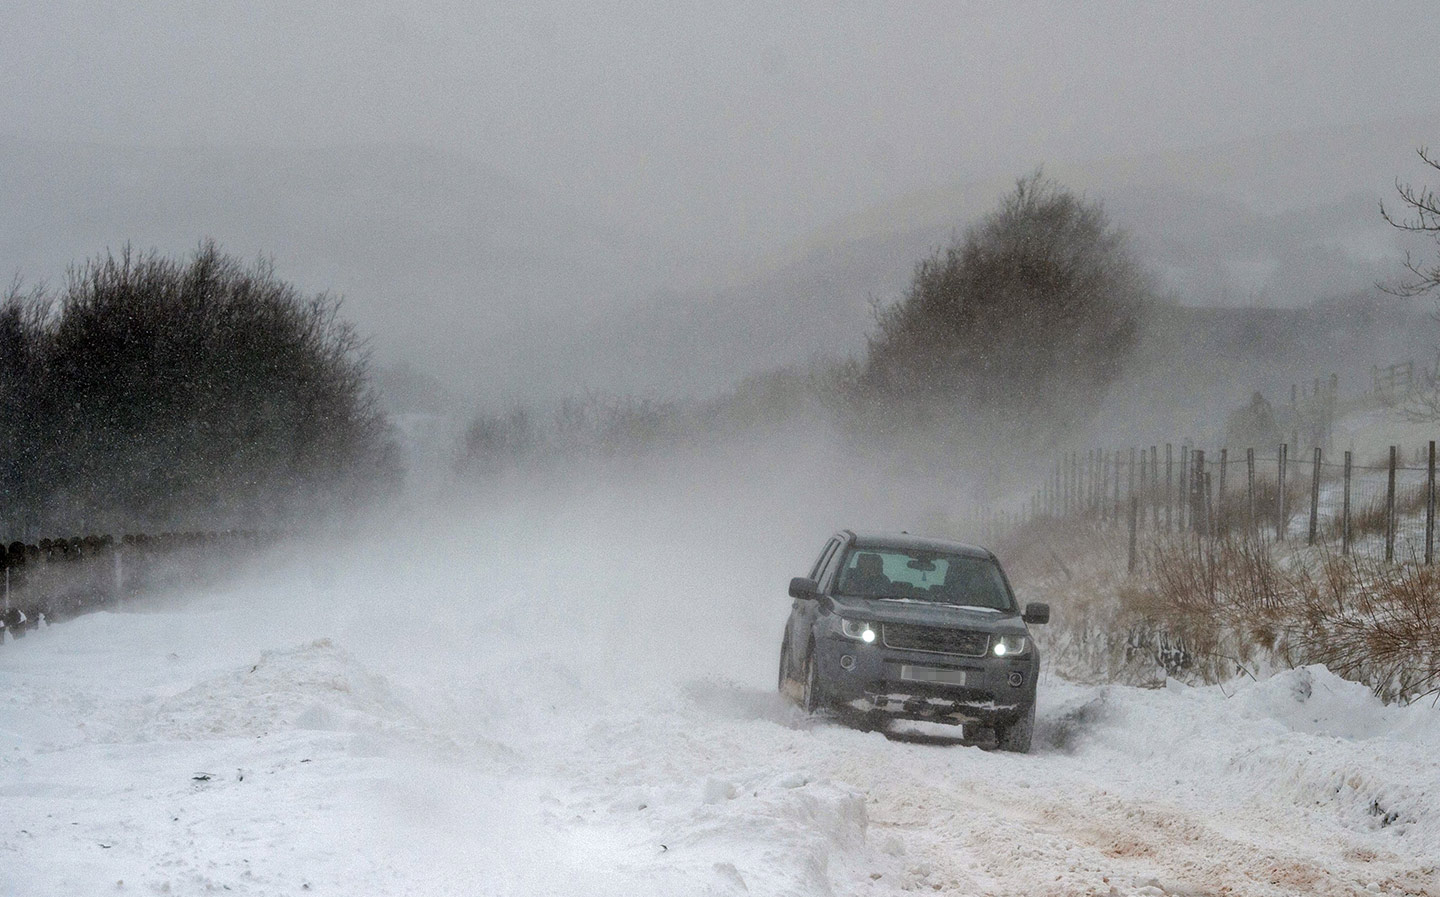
1115, 507
1104, 484
1129, 478
1134, 514
1062, 483
1345, 510
1222, 516
1155, 487
1183, 489
1169, 490
1252, 524
1315, 497
1198, 521
1074, 481
1280, 492
1430, 506
1390, 507
1206, 508
1148, 494
1097, 468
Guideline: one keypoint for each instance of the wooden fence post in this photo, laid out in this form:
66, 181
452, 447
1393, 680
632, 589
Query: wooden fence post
1209, 509
1129, 477
1345, 510
1183, 488
1155, 487
1064, 480
1315, 496
1252, 524
1169, 490
1146, 494
1280, 521
1092, 468
1430, 506
1115, 507
1198, 523
1075, 481
1134, 514
1221, 515
1104, 484
1390, 507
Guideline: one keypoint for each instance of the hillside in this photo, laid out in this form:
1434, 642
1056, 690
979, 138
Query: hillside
506, 291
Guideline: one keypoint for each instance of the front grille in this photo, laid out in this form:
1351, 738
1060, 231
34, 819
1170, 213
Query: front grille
936, 641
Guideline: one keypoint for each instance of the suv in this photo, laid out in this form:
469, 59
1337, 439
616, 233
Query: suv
910, 628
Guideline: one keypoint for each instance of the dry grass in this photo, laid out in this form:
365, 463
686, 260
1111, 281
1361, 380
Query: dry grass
1232, 511
1370, 518
1207, 609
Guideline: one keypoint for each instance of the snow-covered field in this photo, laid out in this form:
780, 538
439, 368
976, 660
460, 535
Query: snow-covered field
577, 698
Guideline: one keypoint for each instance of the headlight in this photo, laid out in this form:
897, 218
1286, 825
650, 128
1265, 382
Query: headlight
858, 630
1010, 646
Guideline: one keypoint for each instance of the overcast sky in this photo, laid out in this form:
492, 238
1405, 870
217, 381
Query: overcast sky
706, 136
761, 117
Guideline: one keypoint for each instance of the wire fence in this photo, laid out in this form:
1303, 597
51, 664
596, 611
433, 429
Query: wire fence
1385, 502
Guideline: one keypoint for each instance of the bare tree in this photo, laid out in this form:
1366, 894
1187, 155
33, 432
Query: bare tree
1419, 214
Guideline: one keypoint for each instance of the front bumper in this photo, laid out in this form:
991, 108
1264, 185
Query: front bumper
869, 678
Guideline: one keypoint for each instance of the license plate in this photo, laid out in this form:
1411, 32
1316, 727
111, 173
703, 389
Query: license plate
930, 674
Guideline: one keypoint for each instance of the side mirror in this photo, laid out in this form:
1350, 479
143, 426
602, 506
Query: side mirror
1036, 612
800, 587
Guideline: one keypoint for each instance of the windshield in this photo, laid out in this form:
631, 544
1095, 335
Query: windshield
920, 575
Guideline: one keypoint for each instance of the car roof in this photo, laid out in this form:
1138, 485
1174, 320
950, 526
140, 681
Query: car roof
905, 540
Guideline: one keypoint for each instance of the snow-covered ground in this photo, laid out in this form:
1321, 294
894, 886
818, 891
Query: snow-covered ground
578, 699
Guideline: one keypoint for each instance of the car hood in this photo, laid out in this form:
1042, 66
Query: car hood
925, 613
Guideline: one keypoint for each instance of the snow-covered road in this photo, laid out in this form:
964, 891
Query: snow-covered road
495, 715
141, 757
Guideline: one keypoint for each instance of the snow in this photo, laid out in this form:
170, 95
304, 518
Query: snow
533, 705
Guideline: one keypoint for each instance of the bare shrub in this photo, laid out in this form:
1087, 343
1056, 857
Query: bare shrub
1375, 623
162, 393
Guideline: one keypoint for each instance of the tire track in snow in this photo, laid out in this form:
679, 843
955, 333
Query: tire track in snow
1038, 825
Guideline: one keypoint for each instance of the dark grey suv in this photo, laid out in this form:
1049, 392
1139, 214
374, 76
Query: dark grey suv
913, 628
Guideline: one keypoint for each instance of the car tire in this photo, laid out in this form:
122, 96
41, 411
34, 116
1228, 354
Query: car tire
813, 696
1016, 736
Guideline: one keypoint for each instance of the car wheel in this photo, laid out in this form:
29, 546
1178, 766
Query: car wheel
1016, 737
813, 697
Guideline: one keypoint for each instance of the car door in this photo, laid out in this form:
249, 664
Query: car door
803, 611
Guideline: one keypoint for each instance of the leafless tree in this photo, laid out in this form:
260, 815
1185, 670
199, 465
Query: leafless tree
1419, 214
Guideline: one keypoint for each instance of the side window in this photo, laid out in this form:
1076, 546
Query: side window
827, 572
825, 554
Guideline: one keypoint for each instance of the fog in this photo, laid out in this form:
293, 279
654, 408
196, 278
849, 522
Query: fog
526, 203
530, 201
618, 265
